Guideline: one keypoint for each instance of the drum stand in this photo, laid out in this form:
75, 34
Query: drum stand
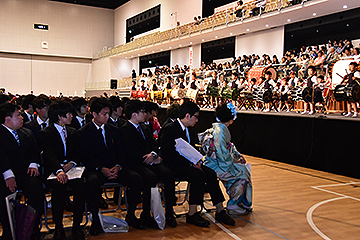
204, 101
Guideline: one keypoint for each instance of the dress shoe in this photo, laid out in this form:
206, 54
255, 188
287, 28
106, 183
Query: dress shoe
197, 220
134, 222
224, 218
59, 234
96, 228
78, 234
148, 221
171, 221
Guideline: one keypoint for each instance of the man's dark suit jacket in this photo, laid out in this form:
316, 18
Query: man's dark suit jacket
34, 126
15, 157
93, 151
52, 146
170, 132
168, 121
120, 122
26, 118
135, 145
75, 123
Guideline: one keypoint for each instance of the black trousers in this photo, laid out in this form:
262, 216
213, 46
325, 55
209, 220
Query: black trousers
33, 190
59, 196
152, 174
197, 179
127, 177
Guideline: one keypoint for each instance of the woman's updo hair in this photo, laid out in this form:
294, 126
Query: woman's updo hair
223, 113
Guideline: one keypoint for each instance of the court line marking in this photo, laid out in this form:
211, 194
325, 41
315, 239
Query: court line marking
234, 235
231, 234
310, 220
335, 185
311, 210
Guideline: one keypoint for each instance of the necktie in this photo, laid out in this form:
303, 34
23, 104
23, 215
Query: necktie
16, 136
186, 131
43, 125
140, 130
82, 123
102, 135
64, 132
31, 117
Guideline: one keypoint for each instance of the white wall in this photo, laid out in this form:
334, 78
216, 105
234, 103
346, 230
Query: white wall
20, 74
110, 68
74, 31
268, 41
181, 56
186, 10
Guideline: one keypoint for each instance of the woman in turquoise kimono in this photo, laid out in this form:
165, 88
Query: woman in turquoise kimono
227, 162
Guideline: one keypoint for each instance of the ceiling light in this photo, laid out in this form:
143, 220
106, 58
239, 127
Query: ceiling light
231, 33
345, 6
179, 45
153, 51
314, 14
169, 47
267, 25
247, 29
202, 40
160, 49
216, 36
289, 20
190, 42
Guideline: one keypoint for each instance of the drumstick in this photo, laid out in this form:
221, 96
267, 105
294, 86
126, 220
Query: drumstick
339, 75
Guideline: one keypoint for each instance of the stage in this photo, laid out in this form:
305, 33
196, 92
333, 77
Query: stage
322, 142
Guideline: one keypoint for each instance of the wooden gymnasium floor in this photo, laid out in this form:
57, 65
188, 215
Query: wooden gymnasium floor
289, 202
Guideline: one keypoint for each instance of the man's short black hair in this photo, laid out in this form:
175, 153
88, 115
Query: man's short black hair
59, 108
27, 100
150, 106
7, 110
98, 104
4, 98
188, 107
41, 101
173, 111
133, 106
115, 102
78, 102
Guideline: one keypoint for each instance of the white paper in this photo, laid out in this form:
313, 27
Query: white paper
73, 173
187, 151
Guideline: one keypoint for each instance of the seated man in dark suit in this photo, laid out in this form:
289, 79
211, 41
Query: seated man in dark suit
40, 104
27, 107
103, 156
80, 110
197, 175
59, 144
142, 157
116, 117
19, 164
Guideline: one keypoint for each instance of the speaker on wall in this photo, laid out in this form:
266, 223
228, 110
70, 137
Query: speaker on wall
113, 83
